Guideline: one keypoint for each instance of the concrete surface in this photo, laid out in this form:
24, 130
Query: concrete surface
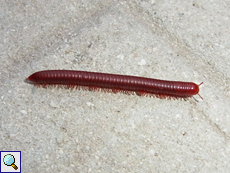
60, 130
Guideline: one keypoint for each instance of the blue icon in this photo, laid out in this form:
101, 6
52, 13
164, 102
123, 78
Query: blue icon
9, 160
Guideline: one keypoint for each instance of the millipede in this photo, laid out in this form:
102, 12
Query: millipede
94, 81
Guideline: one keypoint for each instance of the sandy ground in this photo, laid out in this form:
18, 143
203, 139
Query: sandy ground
61, 130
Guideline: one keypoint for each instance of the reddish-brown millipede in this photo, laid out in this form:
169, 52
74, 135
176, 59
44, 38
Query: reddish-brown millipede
114, 83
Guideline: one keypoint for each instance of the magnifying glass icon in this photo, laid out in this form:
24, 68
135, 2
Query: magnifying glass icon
9, 160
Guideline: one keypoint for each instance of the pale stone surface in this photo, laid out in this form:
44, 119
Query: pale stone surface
61, 130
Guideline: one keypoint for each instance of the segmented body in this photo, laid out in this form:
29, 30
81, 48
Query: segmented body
114, 83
